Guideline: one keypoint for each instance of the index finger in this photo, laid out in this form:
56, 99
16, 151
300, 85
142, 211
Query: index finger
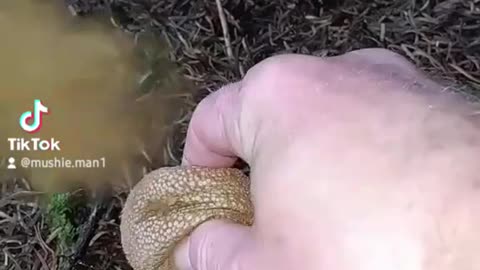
213, 136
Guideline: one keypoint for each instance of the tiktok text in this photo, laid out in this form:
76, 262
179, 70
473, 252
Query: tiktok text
33, 144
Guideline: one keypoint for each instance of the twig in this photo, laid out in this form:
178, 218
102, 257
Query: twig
45, 248
226, 35
87, 230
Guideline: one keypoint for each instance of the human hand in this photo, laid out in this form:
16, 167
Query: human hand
357, 162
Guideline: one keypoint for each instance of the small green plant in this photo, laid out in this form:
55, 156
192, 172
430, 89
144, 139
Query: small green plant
59, 218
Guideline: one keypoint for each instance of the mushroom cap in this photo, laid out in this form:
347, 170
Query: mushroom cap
170, 202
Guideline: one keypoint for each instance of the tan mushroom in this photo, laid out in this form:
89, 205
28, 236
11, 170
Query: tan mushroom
168, 203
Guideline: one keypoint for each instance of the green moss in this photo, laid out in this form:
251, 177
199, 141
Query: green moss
60, 219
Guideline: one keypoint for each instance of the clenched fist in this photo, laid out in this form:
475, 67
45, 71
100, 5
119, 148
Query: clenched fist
358, 162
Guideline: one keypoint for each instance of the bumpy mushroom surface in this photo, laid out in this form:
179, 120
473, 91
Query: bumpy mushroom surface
169, 203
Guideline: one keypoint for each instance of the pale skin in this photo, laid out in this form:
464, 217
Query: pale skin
358, 162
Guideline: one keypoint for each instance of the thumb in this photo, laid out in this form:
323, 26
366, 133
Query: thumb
216, 245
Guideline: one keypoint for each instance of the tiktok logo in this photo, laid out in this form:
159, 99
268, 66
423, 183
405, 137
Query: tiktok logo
32, 122
34, 118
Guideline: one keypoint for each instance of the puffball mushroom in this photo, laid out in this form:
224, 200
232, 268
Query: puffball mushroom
169, 203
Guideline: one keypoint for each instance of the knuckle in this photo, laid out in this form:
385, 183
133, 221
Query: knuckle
280, 67
379, 51
381, 56
277, 74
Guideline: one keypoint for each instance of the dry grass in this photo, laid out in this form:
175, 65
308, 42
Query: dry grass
215, 43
